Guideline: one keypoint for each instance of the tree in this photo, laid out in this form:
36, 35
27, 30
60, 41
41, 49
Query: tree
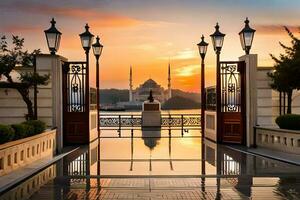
16, 58
285, 77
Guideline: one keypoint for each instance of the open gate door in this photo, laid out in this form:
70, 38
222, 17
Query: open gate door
75, 103
233, 102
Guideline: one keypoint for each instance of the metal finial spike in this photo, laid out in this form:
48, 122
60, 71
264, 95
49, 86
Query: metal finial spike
247, 21
202, 37
97, 38
87, 26
217, 26
53, 21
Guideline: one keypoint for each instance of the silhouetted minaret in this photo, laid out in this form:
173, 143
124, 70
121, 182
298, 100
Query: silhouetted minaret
130, 84
169, 81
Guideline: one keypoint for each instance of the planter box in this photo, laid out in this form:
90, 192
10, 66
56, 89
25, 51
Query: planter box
19, 153
278, 139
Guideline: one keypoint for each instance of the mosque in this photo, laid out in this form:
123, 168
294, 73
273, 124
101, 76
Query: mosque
141, 93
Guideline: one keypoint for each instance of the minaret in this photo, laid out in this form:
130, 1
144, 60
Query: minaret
130, 84
169, 81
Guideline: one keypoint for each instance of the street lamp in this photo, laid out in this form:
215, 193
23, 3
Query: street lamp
246, 36
202, 51
86, 42
53, 37
202, 47
217, 40
97, 50
86, 39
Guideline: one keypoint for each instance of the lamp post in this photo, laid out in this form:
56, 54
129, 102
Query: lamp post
246, 37
86, 42
202, 51
217, 40
53, 37
97, 50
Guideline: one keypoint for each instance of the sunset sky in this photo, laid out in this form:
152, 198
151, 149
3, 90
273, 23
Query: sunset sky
147, 33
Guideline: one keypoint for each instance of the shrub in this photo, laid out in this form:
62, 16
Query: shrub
289, 121
20, 131
37, 125
6, 133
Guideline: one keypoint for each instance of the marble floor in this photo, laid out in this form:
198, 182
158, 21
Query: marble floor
160, 166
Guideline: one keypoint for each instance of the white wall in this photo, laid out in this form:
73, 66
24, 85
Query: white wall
265, 113
268, 99
13, 108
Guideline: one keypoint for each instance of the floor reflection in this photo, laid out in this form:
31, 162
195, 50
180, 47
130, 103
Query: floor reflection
158, 162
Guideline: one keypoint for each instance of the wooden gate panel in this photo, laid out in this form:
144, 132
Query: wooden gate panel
75, 103
232, 116
232, 128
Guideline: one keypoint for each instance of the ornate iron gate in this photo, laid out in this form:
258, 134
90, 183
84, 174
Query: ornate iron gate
232, 116
75, 103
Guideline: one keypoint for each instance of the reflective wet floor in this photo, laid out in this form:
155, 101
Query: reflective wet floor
160, 164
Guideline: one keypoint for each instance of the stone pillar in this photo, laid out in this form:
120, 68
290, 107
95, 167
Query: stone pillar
49, 98
151, 114
251, 96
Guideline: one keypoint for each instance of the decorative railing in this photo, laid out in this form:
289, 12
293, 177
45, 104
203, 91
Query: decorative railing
120, 120
172, 120
179, 120
277, 139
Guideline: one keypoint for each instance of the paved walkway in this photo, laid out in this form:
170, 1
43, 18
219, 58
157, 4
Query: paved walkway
222, 173
173, 188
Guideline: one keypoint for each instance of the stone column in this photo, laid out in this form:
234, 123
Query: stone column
49, 98
251, 96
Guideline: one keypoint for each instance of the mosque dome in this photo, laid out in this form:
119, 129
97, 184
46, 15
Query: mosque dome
150, 83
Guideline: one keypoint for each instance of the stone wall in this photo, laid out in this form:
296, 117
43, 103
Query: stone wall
265, 114
268, 99
20, 153
211, 125
278, 139
49, 97
12, 107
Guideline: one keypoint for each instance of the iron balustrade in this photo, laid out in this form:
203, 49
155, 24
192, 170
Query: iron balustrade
167, 120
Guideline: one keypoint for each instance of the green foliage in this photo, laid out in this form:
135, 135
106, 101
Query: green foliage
30, 78
6, 133
38, 126
15, 57
22, 130
285, 78
289, 121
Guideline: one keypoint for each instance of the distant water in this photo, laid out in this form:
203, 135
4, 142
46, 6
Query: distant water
185, 111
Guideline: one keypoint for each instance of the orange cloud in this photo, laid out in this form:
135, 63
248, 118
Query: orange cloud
274, 29
103, 19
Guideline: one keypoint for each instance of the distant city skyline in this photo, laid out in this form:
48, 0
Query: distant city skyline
146, 34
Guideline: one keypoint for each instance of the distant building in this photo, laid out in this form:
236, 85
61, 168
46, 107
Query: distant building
141, 93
